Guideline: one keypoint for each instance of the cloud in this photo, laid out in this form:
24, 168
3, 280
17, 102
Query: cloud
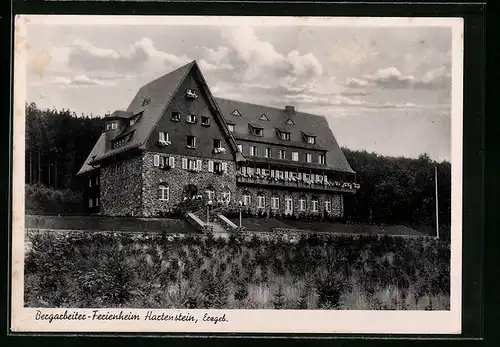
392, 78
79, 80
139, 56
260, 59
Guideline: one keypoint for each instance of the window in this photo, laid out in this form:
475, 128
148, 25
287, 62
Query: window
176, 116
184, 163
162, 136
253, 151
275, 202
308, 157
163, 192
290, 122
96, 202
205, 121
236, 113
281, 154
210, 193
302, 204
191, 141
246, 198
240, 148
210, 166
311, 140
111, 126
146, 101
314, 205
295, 156
191, 118
90, 181
91, 203
217, 143
284, 135
268, 153
263, 117
257, 131
231, 127
328, 206
226, 196
191, 94
261, 201
171, 162
321, 159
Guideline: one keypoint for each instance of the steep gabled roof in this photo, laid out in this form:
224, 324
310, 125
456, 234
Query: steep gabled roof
304, 123
159, 93
98, 149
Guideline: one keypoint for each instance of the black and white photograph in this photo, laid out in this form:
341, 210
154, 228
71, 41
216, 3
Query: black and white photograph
237, 174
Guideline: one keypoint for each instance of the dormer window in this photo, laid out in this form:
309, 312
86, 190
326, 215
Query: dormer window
236, 113
191, 94
264, 117
191, 118
146, 101
283, 135
311, 140
290, 122
176, 116
111, 125
321, 159
256, 130
230, 127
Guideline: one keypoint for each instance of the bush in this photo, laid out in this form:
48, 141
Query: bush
42, 200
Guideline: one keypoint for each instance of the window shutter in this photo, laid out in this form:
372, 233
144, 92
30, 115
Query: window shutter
286, 174
224, 167
184, 163
158, 193
166, 136
156, 160
198, 165
210, 166
171, 162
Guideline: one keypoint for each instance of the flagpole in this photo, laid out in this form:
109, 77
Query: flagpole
437, 208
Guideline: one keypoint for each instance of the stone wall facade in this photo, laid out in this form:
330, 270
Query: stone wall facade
131, 188
121, 193
336, 200
176, 179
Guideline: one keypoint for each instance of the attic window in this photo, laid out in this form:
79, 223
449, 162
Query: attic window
230, 127
290, 122
176, 116
283, 135
191, 141
263, 117
310, 138
121, 141
205, 121
256, 130
146, 101
236, 113
191, 118
111, 125
191, 94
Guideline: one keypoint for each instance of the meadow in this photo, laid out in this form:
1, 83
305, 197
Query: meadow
328, 271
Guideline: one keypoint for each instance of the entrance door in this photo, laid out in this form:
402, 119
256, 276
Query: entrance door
288, 205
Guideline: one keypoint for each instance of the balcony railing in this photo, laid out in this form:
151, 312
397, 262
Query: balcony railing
334, 186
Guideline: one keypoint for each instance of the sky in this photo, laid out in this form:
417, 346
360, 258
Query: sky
382, 89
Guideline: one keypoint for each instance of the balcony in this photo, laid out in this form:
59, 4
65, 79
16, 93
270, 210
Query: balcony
293, 183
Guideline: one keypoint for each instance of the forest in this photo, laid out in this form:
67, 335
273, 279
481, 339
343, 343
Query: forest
393, 189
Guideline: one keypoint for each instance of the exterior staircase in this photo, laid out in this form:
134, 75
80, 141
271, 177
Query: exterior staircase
217, 223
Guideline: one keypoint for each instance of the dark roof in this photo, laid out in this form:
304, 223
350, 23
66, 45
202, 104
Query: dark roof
304, 123
98, 149
119, 114
160, 92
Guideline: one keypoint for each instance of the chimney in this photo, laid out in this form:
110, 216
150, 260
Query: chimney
290, 110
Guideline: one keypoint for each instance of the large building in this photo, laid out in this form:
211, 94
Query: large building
177, 141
